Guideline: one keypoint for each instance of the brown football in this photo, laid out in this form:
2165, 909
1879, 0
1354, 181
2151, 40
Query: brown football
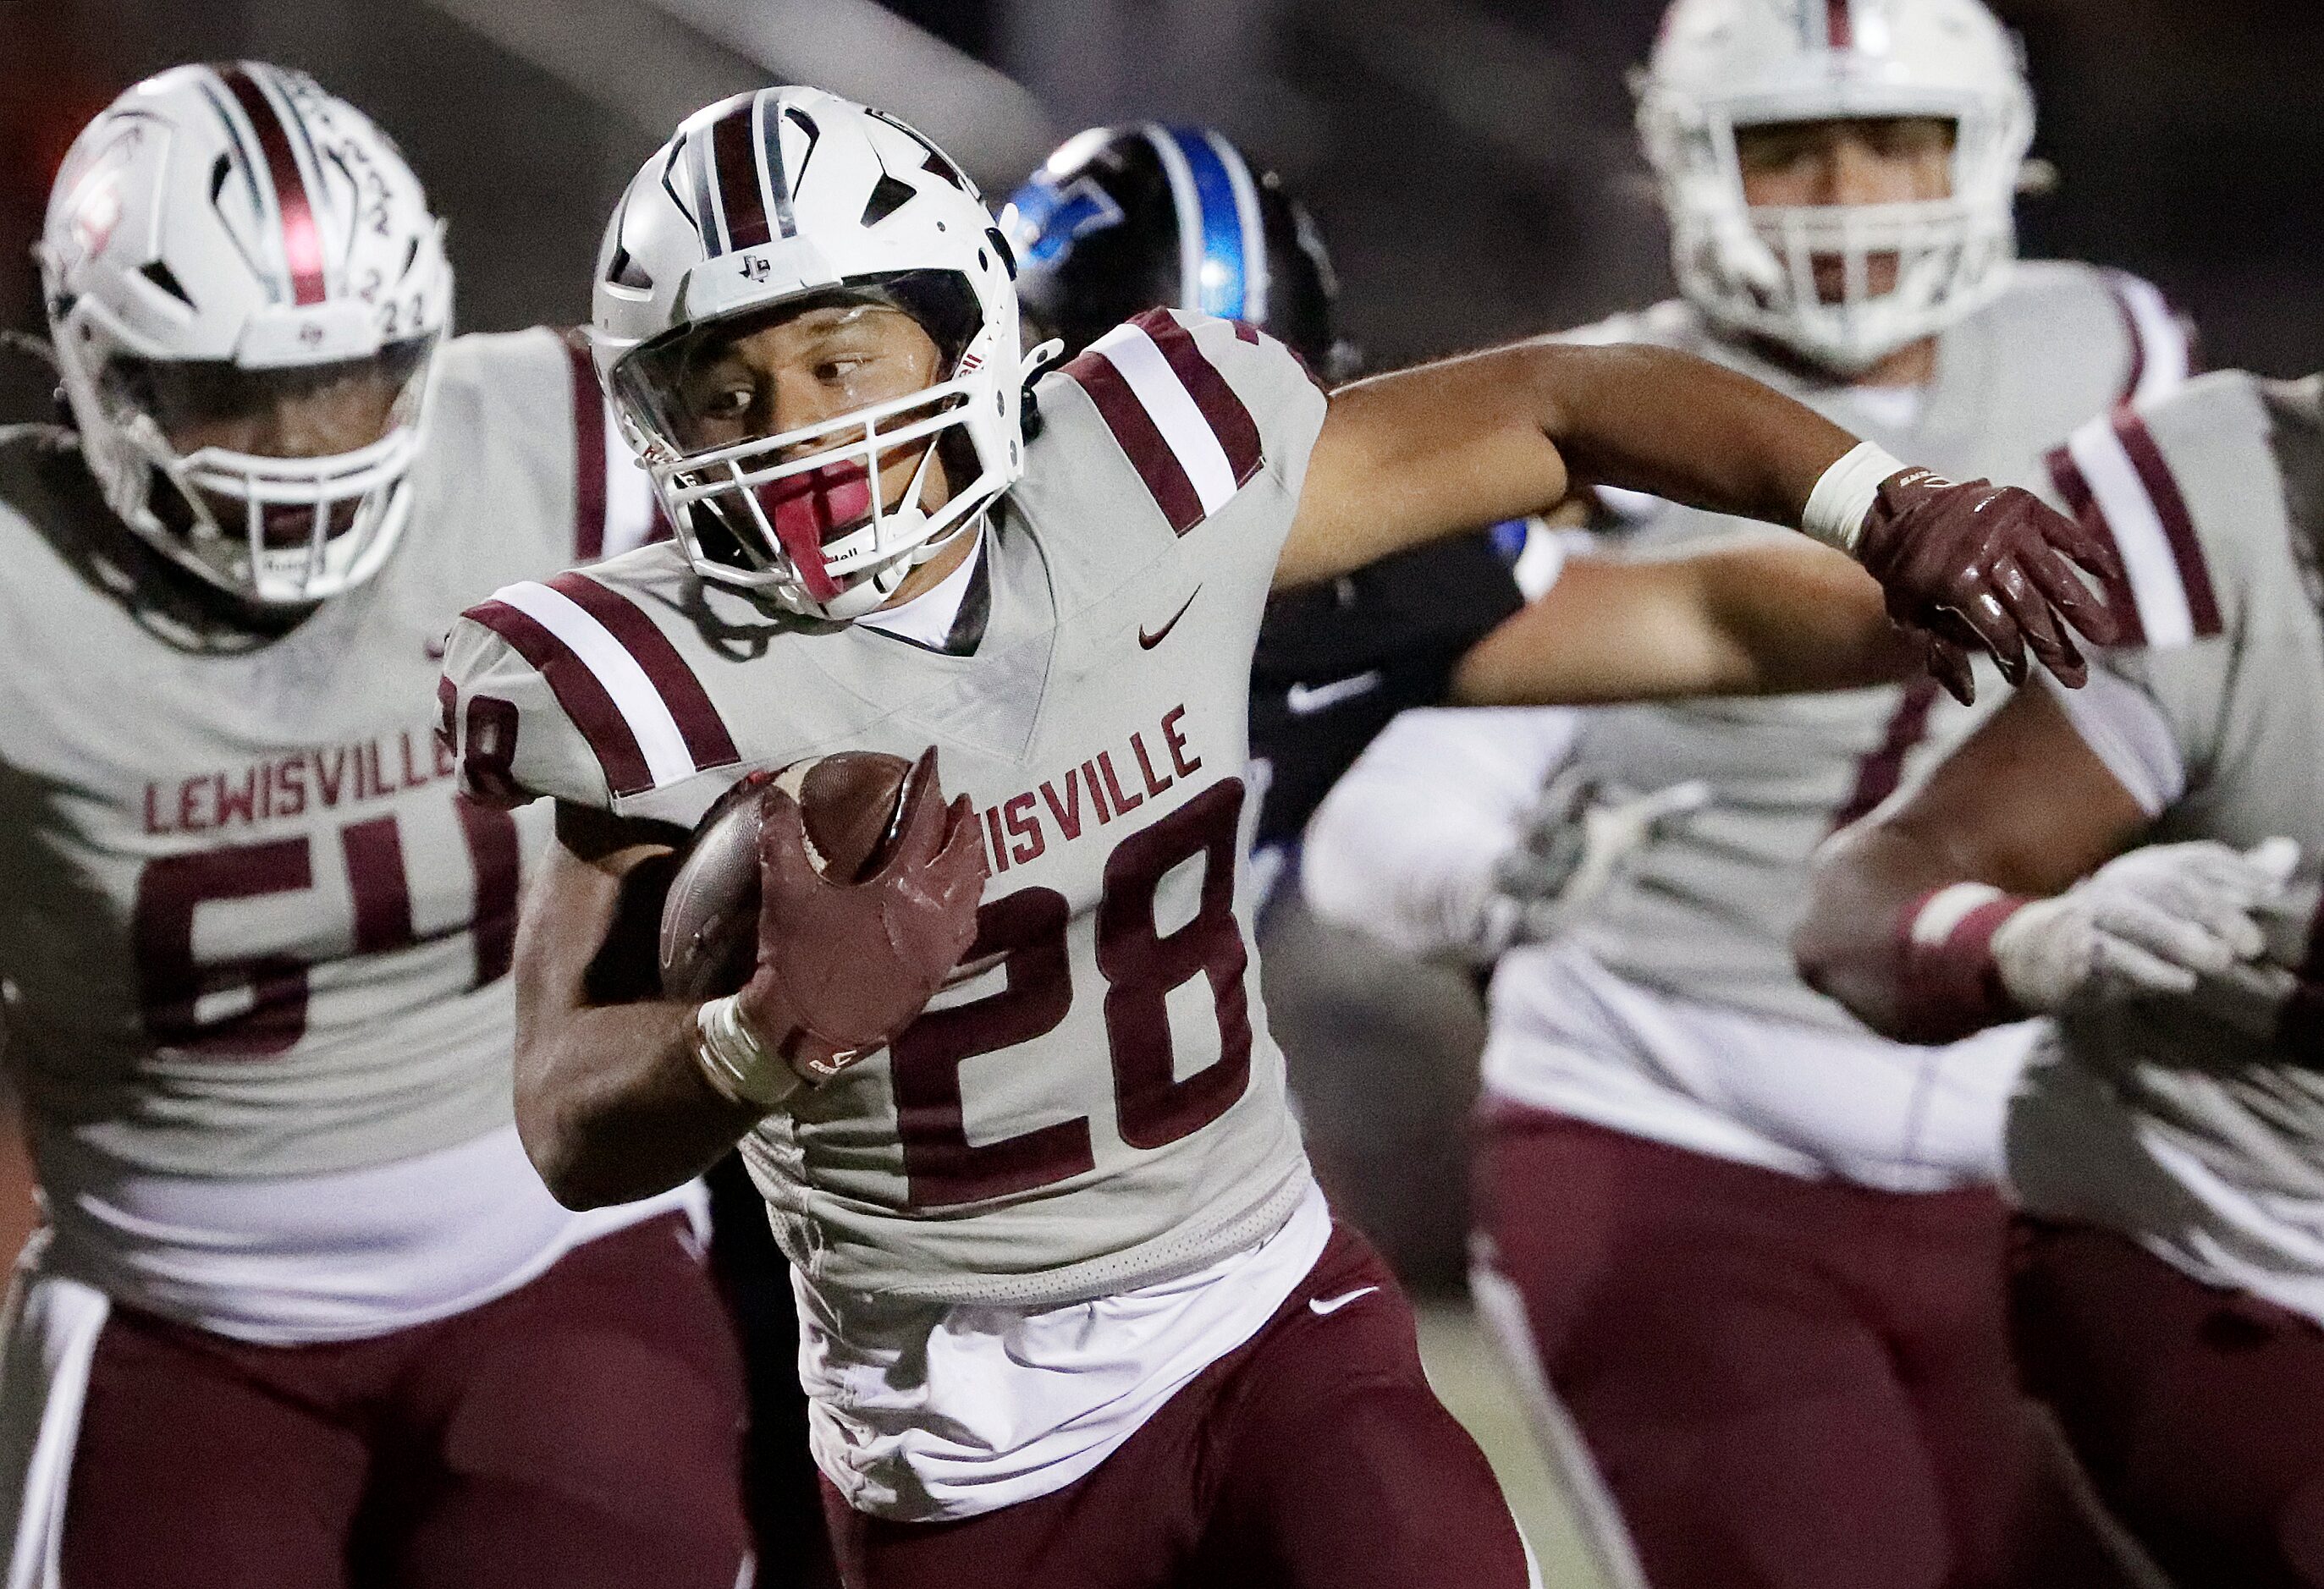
851, 802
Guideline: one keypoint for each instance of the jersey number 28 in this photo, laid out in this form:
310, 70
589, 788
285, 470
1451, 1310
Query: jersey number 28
1140, 964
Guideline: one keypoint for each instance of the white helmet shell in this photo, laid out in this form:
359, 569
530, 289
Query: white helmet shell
236, 214
776, 194
1723, 64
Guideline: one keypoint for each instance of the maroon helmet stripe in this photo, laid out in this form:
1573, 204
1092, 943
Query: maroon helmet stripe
578, 690
588, 455
303, 238
1229, 421
698, 722
1135, 432
1840, 24
2178, 523
2075, 493
734, 159
1878, 774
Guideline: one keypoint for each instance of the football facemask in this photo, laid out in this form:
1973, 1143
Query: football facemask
763, 205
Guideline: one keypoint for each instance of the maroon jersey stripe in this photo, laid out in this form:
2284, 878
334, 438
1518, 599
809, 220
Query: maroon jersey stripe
588, 455
2067, 475
1877, 775
698, 722
734, 155
1229, 421
2178, 523
492, 852
303, 238
1840, 24
578, 690
1134, 430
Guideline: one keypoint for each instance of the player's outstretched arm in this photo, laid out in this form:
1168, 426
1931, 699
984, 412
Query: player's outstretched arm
1428, 452
609, 1101
1769, 618
1905, 907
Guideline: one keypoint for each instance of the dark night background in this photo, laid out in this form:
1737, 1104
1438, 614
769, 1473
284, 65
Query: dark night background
1472, 162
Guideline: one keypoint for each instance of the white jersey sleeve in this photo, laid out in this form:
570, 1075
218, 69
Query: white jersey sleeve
1405, 846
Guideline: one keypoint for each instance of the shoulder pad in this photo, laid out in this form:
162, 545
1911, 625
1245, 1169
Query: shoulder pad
1200, 407
569, 688
2152, 480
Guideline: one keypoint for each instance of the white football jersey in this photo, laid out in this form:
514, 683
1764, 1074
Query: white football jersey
1103, 1106
247, 927
2197, 1124
1705, 910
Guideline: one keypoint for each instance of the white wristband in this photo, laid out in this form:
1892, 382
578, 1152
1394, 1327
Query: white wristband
1843, 497
734, 1062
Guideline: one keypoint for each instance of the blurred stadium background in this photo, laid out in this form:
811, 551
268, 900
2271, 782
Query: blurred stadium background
1470, 162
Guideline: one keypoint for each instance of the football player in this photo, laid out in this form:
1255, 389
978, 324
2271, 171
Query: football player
302, 1305
1120, 220
1824, 1312
2140, 861
1066, 1285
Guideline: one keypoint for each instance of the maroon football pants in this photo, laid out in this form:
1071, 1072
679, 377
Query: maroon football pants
2199, 1413
583, 1431
1313, 1456
1789, 1383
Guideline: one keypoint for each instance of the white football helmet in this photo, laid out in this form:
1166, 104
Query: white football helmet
231, 236
1723, 64
785, 194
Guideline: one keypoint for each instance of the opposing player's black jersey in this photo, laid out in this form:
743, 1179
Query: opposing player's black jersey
1337, 660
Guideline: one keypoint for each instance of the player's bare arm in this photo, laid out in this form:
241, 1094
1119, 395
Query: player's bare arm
1406, 457
608, 1100
1769, 618
2008, 885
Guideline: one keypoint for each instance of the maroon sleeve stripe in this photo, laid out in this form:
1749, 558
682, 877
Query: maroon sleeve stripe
1229, 421
698, 722
2075, 491
588, 454
1135, 432
1840, 24
578, 690
2178, 523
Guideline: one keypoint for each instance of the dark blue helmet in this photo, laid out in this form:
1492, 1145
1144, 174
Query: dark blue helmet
1120, 220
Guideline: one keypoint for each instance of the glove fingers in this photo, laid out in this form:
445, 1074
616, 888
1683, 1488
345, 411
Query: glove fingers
2190, 940
785, 872
2054, 575
1996, 632
2051, 643
922, 819
2126, 965
1949, 664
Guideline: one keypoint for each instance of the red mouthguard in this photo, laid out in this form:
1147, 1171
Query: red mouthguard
808, 508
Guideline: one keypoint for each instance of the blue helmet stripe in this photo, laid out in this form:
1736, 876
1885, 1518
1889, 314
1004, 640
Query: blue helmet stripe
1224, 275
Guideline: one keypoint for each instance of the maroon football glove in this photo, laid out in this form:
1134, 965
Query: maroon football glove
1978, 566
844, 967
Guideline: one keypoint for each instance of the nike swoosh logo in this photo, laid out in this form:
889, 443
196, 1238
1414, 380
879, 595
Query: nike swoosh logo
1146, 642
1324, 1307
1306, 700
